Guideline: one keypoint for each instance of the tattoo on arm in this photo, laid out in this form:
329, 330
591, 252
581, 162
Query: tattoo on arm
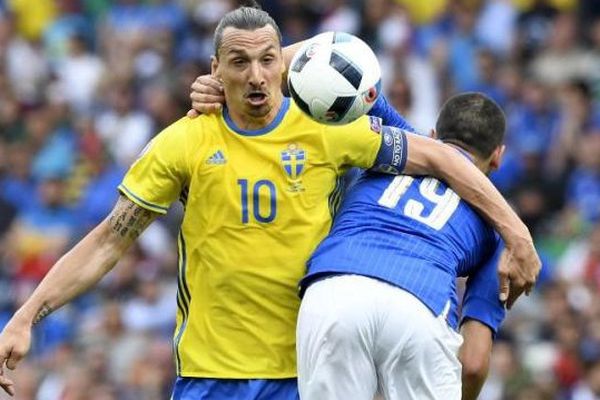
128, 220
43, 312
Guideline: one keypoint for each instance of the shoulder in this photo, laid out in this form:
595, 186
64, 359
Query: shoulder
295, 116
189, 131
364, 124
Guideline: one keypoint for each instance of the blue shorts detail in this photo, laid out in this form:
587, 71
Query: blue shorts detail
235, 389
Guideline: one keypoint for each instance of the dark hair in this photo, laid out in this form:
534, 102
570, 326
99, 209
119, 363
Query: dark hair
472, 121
250, 17
582, 88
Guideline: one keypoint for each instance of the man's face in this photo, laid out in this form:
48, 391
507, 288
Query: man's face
250, 65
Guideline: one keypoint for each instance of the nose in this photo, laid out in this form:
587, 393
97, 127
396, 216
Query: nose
256, 77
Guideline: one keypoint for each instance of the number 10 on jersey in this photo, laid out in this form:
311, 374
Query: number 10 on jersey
260, 198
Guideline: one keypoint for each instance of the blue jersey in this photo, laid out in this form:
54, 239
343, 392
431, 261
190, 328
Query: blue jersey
389, 116
417, 234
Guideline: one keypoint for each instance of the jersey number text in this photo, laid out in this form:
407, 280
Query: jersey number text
261, 190
444, 203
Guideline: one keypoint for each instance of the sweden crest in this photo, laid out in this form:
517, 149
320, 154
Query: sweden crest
293, 160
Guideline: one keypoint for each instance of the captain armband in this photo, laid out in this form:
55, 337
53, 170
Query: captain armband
391, 158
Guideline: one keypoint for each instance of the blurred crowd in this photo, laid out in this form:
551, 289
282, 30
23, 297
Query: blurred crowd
85, 84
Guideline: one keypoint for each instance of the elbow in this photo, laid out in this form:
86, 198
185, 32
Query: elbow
107, 242
474, 370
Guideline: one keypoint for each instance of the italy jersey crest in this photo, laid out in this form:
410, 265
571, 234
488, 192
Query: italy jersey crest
293, 160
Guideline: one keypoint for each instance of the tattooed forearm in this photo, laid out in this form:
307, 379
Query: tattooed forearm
43, 312
128, 220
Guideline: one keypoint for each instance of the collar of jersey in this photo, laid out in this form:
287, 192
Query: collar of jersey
285, 105
462, 151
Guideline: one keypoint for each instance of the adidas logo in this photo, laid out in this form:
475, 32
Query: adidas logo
218, 158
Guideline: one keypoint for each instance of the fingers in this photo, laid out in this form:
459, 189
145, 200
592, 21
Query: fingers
5, 383
14, 358
529, 287
503, 275
11, 363
206, 108
504, 288
518, 271
515, 293
206, 96
206, 103
207, 84
203, 97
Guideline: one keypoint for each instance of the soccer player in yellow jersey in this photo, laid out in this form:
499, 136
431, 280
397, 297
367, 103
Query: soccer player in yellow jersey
258, 182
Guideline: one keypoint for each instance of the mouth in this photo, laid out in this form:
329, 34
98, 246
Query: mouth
256, 98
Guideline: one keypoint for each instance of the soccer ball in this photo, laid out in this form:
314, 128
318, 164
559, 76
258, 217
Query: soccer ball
334, 78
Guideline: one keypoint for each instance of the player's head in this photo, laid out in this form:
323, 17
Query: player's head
475, 123
249, 61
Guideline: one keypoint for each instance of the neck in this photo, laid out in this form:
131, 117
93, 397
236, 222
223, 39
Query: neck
249, 122
479, 163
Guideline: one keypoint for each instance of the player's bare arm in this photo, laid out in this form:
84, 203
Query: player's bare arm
75, 272
520, 264
474, 356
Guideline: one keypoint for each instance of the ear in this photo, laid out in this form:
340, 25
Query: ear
214, 66
496, 158
433, 134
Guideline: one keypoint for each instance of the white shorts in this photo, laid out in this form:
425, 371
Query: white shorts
356, 335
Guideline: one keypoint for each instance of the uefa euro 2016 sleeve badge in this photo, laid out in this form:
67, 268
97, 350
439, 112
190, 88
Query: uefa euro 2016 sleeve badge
293, 161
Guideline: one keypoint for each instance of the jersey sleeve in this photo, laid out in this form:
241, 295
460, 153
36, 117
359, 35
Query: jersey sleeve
389, 116
366, 143
355, 144
481, 300
157, 177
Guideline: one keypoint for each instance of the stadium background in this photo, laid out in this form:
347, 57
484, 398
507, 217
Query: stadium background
84, 84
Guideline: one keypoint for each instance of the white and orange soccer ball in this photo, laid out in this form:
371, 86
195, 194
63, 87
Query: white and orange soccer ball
334, 78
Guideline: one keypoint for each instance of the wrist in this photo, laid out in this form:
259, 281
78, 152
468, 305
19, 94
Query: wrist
516, 235
512, 229
32, 313
21, 319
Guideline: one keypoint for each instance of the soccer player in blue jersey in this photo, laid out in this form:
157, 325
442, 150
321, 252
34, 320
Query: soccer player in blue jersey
380, 305
256, 181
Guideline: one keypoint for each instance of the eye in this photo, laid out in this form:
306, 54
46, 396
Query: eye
268, 59
238, 61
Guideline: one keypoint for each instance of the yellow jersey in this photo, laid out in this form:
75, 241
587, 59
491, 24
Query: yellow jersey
256, 205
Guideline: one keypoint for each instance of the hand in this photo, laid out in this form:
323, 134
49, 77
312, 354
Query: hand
15, 341
518, 270
207, 96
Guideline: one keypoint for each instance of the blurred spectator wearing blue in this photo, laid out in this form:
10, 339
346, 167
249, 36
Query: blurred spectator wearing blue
583, 191
17, 186
42, 232
462, 48
68, 22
